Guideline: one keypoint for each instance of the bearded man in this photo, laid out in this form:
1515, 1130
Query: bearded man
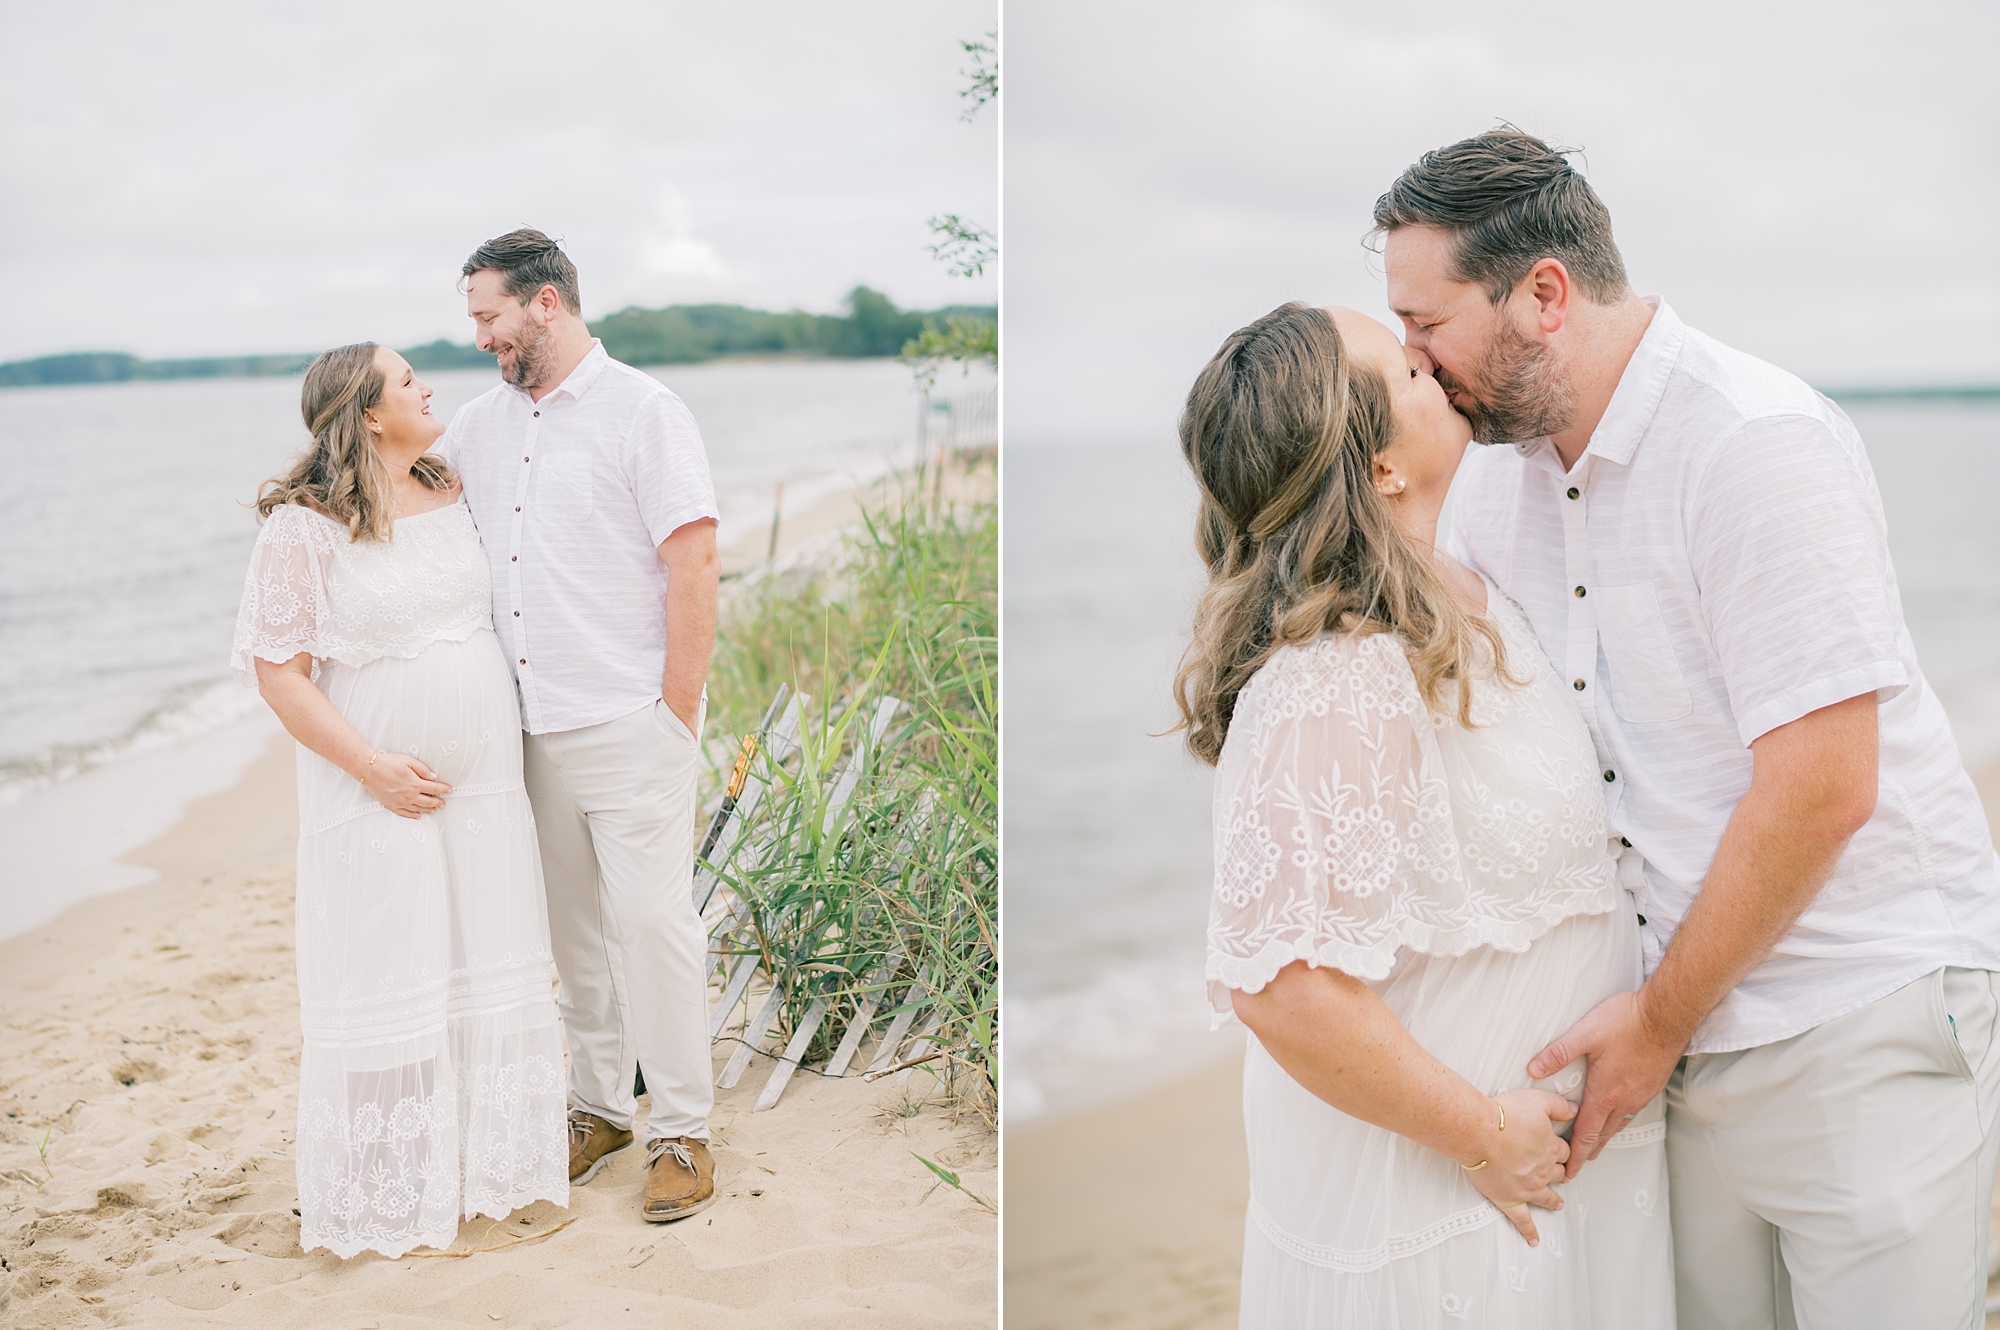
1697, 539
591, 491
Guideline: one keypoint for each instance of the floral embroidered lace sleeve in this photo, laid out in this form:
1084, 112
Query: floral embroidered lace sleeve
285, 607
1351, 823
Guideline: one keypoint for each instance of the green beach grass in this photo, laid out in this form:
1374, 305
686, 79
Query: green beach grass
906, 607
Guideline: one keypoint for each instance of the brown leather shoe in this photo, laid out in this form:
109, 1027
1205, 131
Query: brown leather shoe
680, 1178
592, 1140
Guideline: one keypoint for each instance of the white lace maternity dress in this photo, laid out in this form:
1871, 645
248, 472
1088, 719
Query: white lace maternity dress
1465, 876
430, 1082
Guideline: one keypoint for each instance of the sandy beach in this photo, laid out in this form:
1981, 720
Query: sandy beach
149, 1046
1132, 1214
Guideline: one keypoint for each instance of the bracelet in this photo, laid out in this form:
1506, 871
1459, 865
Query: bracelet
371, 762
1474, 1168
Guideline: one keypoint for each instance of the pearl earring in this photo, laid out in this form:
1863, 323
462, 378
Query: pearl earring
1402, 485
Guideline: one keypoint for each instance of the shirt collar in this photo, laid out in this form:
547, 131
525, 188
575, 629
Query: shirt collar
586, 373
1636, 398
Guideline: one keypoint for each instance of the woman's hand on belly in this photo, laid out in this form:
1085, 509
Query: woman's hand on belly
403, 785
1335, 1036
399, 782
1525, 1158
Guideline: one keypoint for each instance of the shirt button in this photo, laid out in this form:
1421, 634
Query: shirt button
1610, 774
1626, 843
1578, 685
515, 559
538, 415
524, 459
1579, 593
524, 660
517, 614
1574, 492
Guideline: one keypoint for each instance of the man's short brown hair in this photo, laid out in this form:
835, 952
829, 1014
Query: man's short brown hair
527, 261
1509, 200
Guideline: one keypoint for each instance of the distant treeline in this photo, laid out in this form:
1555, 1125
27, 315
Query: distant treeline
1945, 393
676, 335
116, 367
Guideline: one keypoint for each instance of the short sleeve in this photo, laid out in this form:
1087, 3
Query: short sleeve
1333, 833
1791, 555
668, 466
285, 608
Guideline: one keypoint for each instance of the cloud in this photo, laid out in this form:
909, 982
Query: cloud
674, 250
1810, 182
287, 177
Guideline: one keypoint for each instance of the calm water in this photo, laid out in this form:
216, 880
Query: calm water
123, 535
1107, 827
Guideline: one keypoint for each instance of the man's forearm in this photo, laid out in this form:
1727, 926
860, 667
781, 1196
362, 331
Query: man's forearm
693, 572
1813, 789
690, 643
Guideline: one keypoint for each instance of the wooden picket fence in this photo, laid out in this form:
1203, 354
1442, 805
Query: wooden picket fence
755, 983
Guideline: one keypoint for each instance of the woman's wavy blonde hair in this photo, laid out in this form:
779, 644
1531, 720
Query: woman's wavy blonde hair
340, 474
1282, 428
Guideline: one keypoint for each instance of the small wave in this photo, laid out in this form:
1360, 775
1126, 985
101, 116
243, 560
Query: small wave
191, 711
1133, 1024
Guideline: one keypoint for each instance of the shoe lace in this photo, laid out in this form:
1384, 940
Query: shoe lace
670, 1145
580, 1127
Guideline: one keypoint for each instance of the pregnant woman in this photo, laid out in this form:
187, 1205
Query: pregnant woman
1413, 888
430, 1081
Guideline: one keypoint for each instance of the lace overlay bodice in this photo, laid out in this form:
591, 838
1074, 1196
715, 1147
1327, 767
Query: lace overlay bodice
1351, 823
310, 588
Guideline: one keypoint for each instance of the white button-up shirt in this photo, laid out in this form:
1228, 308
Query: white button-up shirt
572, 496
1714, 566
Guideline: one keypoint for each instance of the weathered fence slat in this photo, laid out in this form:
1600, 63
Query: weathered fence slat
876, 985
754, 1031
788, 1061
938, 1014
914, 1002
740, 974
774, 744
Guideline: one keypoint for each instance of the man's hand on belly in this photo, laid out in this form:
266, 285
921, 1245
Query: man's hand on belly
1630, 1062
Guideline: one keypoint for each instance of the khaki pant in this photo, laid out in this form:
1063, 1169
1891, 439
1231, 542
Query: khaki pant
615, 811
1842, 1179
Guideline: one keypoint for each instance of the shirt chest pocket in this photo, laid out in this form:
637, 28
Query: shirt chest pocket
1646, 681
562, 486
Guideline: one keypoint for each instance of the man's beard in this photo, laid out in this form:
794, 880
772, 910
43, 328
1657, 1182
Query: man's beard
531, 356
1522, 391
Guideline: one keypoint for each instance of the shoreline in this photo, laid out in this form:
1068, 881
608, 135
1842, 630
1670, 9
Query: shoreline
149, 1037
102, 812
1130, 1212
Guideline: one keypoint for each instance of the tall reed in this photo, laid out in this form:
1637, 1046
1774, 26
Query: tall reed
908, 608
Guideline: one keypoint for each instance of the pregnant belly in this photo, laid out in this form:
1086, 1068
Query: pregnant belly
1487, 1012
452, 706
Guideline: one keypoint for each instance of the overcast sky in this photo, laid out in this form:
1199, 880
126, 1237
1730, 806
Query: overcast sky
1815, 183
242, 177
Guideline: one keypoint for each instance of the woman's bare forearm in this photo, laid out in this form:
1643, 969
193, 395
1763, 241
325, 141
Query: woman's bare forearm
1336, 1037
308, 717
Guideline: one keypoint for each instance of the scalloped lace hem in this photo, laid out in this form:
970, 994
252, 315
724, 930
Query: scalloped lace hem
240, 659
402, 1244
1373, 961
